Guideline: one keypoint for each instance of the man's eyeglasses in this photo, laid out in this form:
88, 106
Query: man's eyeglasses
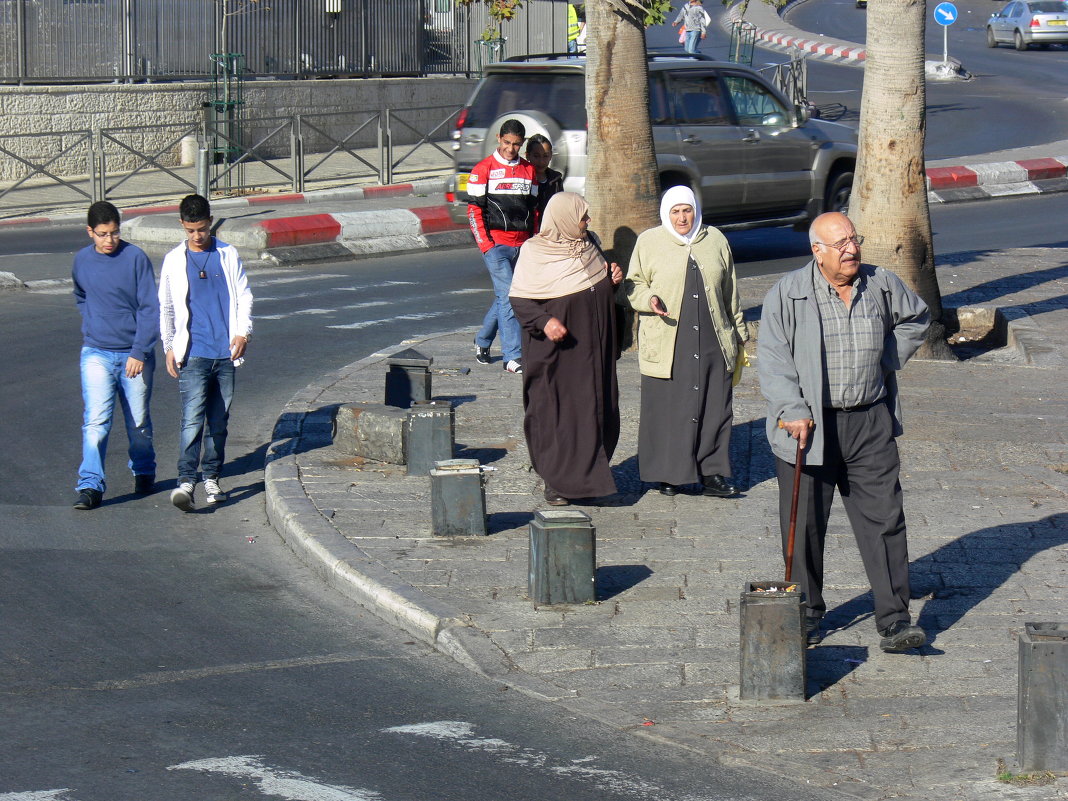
106, 235
842, 244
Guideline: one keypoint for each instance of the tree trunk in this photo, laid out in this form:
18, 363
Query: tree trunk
621, 179
889, 200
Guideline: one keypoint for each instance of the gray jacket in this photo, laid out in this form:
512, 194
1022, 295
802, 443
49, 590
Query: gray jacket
790, 352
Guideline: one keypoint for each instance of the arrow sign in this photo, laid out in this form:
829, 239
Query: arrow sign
945, 13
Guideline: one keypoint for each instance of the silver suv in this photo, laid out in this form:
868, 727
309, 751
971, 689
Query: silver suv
720, 128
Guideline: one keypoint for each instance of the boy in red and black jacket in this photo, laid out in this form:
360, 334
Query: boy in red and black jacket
502, 196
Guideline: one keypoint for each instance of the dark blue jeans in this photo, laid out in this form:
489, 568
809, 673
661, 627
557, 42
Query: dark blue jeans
207, 388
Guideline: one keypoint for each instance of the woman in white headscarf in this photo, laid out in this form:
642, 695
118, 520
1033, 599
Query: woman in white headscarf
682, 283
563, 296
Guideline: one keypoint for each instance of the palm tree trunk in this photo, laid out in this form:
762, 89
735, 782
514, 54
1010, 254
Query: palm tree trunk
889, 201
621, 179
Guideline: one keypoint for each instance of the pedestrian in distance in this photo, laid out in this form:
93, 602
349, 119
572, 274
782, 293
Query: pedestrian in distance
833, 335
205, 313
115, 289
502, 204
695, 21
683, 285
564, 297
539, 153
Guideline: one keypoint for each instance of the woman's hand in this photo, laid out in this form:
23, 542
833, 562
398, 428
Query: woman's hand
657, 305
555, 330
616, 272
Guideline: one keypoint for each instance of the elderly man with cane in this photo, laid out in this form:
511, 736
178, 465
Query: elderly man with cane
832, 336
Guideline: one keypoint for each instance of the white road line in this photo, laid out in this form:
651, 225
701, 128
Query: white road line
463, 735
367, 305
38, 795
286, 784
369, 323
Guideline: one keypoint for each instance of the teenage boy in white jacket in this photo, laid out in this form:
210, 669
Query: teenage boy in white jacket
205, 309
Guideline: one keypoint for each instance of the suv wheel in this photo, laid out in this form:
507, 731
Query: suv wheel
1018, 40
839, 189
990, 40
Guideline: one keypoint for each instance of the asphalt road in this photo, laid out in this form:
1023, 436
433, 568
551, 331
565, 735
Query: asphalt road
149, 654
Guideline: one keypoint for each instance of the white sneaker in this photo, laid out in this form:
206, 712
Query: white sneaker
213, 493
183, 496
514, 366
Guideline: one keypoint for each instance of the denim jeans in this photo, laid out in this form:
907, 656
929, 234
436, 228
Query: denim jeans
500, 261
693, 39
207, 388
104, 379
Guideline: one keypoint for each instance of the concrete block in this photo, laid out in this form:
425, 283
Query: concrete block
371, 430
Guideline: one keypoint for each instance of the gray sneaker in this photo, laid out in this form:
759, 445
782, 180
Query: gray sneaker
182, 497
902, 636
213, 493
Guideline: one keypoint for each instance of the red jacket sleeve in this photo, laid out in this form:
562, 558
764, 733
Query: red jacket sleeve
476, 201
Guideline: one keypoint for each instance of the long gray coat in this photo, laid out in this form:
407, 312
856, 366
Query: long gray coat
790, 352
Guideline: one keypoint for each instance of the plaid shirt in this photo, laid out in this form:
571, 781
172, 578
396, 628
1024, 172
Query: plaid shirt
853, 342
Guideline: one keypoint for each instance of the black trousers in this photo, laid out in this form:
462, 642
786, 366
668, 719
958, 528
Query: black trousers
860, 459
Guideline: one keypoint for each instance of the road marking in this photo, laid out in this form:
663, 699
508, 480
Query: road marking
366, 305
369, 323
37, 795
286, 784
463, 735
168, 677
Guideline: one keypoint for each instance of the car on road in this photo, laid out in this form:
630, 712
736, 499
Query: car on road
1026, 22
751, 156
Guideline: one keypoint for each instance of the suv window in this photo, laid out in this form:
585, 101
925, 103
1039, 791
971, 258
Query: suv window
698, 99
502, 93
753, 102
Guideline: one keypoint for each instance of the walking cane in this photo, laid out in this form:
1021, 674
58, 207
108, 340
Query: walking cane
793, 510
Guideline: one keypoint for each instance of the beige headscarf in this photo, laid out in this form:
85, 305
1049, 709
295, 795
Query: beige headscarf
560, 260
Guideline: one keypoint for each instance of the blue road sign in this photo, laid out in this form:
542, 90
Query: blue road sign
945, 13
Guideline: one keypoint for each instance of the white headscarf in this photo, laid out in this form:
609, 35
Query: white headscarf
675, 196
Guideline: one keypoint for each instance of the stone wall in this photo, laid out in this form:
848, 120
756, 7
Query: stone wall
36, 117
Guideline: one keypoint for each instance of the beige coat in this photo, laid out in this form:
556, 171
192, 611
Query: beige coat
658, 267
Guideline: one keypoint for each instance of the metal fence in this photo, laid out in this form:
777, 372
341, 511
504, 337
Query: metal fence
213, 157
72, 41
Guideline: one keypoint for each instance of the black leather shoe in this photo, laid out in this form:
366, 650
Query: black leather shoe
719, 487
554, 498
668, 489
145, 483
88, 499
813, 635
902, 636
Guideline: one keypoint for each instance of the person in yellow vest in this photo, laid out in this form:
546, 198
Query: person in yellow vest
574, 28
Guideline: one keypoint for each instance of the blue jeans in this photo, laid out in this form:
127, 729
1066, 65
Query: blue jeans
207, 388
693, 39
500, 261
104, 379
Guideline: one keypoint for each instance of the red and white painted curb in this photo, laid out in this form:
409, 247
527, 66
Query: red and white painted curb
999, 179
789, 38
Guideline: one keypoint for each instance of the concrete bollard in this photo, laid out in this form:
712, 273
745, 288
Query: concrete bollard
1042, 700
408, 378
430, 436
772, 661
372, 431
562, 565
457, 499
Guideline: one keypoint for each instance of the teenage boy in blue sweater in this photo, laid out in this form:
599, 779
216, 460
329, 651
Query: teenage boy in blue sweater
115, 289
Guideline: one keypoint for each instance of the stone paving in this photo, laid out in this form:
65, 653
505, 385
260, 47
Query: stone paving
985, 473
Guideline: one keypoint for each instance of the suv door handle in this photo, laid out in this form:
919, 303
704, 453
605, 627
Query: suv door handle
751, 136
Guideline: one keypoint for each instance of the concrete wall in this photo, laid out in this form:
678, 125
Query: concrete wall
46, 111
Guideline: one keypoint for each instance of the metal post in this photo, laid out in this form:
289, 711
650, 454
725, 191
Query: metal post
385, 149
94, 167
20, 26
128, 37
562, 559
430, 438
202, 167
295, 153
1042, 703
457, 499
772, 661
408, 378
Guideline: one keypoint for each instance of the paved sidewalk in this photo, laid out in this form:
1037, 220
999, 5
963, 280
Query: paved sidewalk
985, 472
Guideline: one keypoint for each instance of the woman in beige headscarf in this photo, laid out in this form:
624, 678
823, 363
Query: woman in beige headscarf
563, 296
682, 284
